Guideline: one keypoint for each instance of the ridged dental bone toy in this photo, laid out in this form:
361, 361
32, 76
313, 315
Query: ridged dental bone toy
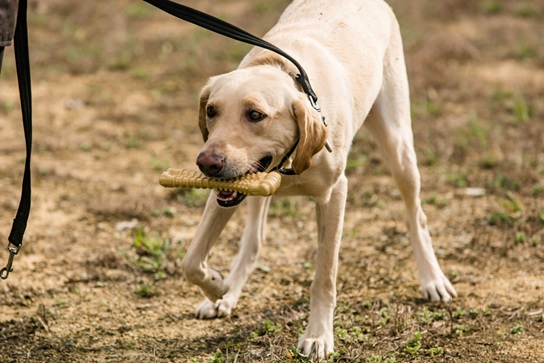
261, 184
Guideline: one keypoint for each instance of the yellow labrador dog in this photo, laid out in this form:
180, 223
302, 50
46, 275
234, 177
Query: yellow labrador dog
251, 117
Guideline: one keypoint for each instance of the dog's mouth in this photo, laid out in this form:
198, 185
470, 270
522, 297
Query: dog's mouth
229, 199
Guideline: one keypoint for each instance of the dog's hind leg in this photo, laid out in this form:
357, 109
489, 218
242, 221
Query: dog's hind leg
250, 245
390, 124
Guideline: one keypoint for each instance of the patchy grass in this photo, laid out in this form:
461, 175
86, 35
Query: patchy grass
88, 288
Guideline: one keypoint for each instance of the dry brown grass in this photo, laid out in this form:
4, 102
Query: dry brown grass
115, 89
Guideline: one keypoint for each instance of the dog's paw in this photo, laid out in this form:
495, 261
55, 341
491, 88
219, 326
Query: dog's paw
318, 347
211, 310
437, 288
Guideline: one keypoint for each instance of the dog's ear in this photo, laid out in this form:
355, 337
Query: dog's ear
312, 134
204, 95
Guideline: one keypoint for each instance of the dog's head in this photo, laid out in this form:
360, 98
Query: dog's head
250, 118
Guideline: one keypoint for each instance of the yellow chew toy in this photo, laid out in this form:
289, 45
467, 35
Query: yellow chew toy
262, 184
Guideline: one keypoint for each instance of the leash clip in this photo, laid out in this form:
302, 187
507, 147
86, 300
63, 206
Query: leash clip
13, 251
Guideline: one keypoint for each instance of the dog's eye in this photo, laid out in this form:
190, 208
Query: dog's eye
255, 116
210, 112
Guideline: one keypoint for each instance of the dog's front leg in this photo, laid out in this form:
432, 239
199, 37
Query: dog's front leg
252, 239
318, 338
194, 264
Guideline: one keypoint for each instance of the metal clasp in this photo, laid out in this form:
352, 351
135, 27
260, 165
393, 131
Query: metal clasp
13, 251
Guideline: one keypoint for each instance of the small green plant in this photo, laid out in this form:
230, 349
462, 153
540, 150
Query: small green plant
268, 328
146, 291
413, 345
525, 52
521, 237
436, 201
137, 11
491, 6
284, 207
132, 142
460, 330
459, 313
218, 357
521, 109
506, 183
527, 10
385, 317
499, 219
458, 179
434, 351
488, 161
512, 210
434, 108
427, 316
151, 252
192, 198
518, 329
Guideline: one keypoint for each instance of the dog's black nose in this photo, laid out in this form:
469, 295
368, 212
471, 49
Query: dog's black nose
210, 163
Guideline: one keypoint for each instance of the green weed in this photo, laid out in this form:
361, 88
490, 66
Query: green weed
521, 237
503, 182
132, 142
473, 135
491, 7
147, 291
525, 52
284, 207
267, 328
522, 110
458, 179
511, 211
190, 197
518, 329
151, 253
460, 330
413, 345
488, 161
527, 10
137, 10
459, 313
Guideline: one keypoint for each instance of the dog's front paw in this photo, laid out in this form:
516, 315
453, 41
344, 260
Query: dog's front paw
211, 310
437, 287
320, 346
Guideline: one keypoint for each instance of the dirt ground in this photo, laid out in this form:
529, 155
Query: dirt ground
115, 85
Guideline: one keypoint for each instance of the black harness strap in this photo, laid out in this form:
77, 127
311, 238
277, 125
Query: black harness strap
23, 76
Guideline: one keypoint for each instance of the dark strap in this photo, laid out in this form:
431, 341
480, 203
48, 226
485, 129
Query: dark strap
23, 76
286, 157
1, 57
221, 27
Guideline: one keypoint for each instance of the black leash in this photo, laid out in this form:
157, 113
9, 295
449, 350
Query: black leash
222, 27
23, 76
